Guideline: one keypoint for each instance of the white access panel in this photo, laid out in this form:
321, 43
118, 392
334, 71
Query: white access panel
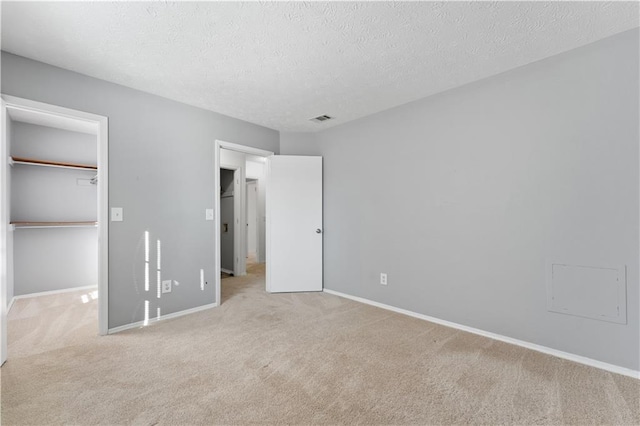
294, 223
597, 292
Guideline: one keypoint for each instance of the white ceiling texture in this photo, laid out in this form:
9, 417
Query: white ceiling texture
280, 64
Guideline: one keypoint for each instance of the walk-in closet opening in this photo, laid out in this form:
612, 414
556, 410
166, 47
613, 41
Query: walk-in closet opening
52, 233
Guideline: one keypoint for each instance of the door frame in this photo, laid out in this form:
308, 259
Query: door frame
102, 138
220, 144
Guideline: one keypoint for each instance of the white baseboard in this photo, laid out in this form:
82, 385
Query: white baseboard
226, 271
539, 348
48, 293
140, 324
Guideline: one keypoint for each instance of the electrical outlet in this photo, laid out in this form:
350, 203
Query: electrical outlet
166, 286
383, 278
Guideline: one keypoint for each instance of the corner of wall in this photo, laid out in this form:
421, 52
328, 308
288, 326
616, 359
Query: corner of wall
297, 142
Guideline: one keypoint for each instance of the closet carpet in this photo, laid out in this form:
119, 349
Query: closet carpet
288, 359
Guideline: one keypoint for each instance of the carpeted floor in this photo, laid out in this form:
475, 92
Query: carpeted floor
288, 359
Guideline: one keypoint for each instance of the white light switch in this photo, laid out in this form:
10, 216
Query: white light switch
116, 214
209, 214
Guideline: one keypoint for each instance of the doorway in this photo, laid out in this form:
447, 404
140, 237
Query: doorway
228, 219
53, 228
248, 165
291, 225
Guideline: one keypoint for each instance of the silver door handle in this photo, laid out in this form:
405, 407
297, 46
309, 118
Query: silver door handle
318, 231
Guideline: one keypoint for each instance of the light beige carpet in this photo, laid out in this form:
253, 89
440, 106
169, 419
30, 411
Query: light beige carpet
288, 359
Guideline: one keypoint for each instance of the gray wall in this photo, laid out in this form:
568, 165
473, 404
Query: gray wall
463, 196
49, 143
161, 171
48, 194
53, 259
226, 181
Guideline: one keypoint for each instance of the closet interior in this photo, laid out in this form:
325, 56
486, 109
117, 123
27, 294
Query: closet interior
53, 233
227, 222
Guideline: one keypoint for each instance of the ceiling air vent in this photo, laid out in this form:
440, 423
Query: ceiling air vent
321, 118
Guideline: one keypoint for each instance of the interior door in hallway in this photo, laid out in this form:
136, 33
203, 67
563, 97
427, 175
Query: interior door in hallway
294, 215
252, 219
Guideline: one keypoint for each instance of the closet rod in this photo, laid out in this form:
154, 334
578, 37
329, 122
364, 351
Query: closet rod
32, 225
35, 162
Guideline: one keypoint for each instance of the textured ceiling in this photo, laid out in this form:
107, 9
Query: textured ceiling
279, 64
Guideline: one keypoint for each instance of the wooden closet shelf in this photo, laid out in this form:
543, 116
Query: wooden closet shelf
52, 224
35, 162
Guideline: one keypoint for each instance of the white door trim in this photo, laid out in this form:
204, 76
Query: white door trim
219, 144
102, 123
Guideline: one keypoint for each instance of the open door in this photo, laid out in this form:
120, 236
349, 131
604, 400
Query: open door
4, 224
294, 215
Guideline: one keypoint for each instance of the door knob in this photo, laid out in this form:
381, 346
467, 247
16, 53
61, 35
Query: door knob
318, 231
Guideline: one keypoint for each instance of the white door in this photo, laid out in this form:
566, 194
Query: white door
252, 218
294, 223
4, 221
